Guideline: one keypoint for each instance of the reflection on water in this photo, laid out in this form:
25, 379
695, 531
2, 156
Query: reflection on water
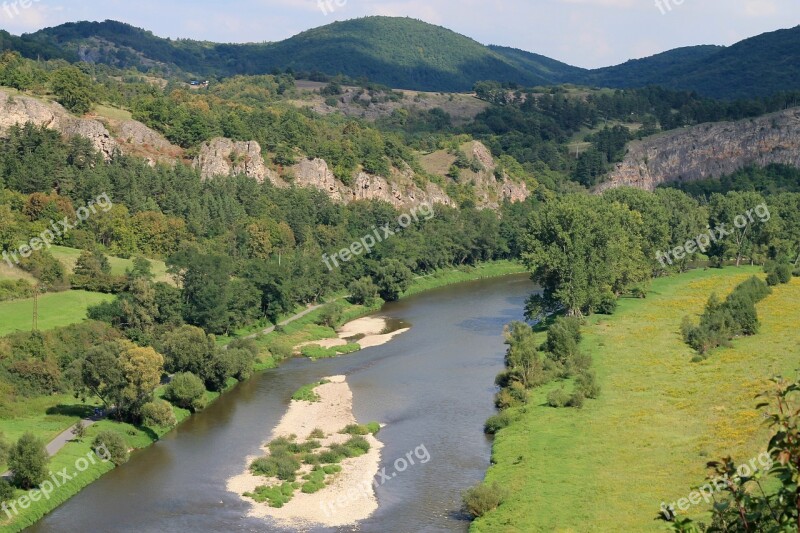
432, 386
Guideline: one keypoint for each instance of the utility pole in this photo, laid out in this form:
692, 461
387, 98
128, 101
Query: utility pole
36, 308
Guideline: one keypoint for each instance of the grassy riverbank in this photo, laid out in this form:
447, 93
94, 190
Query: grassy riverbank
658, 420
47, 417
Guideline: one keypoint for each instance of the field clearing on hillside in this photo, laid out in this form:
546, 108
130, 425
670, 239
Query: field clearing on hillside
69, 256
658, 420
55, 310
14, 273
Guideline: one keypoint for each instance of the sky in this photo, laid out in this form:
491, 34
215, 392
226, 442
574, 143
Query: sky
585, 33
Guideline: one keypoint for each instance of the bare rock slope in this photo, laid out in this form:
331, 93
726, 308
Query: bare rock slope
709, 151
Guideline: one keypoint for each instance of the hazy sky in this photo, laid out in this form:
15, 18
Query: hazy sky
586, 33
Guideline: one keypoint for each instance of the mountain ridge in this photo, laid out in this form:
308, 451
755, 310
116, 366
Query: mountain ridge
410, 54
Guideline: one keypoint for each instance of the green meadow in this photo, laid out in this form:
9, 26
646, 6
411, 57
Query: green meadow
56, 310
658, 420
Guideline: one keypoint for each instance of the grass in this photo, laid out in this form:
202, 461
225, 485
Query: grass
306, 393
69, 256
314, 351
56, 310
443, 278
114, 113
658, 420
14, 273
66, 458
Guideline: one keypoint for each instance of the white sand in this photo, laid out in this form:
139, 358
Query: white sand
351, 495
368, 331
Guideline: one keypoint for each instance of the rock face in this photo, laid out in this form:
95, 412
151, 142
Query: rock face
224, 157
709, 151
489, 190
18, 110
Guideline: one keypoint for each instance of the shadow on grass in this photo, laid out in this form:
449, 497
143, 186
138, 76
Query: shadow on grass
78, 410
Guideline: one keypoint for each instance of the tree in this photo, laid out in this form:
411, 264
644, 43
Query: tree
363, 291
111, 446
186, 390
580, 247
101, 373
27, 461
392, 278
158, 413
142, 369
187, 349
73, 89
79, 430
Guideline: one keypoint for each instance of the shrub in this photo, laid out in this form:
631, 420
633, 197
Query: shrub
483, 498
586, 383
158, 413
6, 490
558, 397
608, 303
27, 460
576, 400
497, 422
330, 315
361, 429
281, 466
277, 496
563, 338
359, 443
186, 390
317, 433
784, 272
363, 291
113, 445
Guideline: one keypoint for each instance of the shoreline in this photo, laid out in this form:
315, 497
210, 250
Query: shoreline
440, 279
332, 506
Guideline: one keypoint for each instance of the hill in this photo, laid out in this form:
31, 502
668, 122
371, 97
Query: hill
411, 54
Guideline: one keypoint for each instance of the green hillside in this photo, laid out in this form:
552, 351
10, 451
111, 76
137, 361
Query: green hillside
412, 54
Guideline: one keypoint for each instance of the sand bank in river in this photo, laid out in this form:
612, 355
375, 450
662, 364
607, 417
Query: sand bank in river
366, 332
351, 495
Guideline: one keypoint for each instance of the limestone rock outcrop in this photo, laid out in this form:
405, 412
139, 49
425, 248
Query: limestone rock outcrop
709, 151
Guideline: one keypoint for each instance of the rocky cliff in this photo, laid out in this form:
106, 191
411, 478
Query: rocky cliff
709, 151
21, 109
225, 157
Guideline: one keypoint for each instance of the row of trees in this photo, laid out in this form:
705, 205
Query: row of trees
586, 251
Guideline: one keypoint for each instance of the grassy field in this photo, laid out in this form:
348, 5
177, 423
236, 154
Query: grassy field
55, 310
14, 273
658, 420
69, 256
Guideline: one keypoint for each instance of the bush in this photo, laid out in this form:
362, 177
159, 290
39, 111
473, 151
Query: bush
483, 498
114, 445
317, 433
576, 400
277, 496
586, 383
497, 422
6, 491
186, 390
563, 338
361, 429
27, 460
282, 466
608, 304
558, 397
158, 413
784, 272
363, 291
330, 315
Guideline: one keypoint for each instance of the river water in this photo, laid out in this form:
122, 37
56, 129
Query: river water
432, 387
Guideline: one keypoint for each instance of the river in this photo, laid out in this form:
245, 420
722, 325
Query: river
432, 387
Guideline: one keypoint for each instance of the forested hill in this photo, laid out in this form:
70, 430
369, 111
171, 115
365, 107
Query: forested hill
411, 54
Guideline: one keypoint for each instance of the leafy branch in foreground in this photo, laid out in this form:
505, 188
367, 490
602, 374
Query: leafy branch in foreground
769, 501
